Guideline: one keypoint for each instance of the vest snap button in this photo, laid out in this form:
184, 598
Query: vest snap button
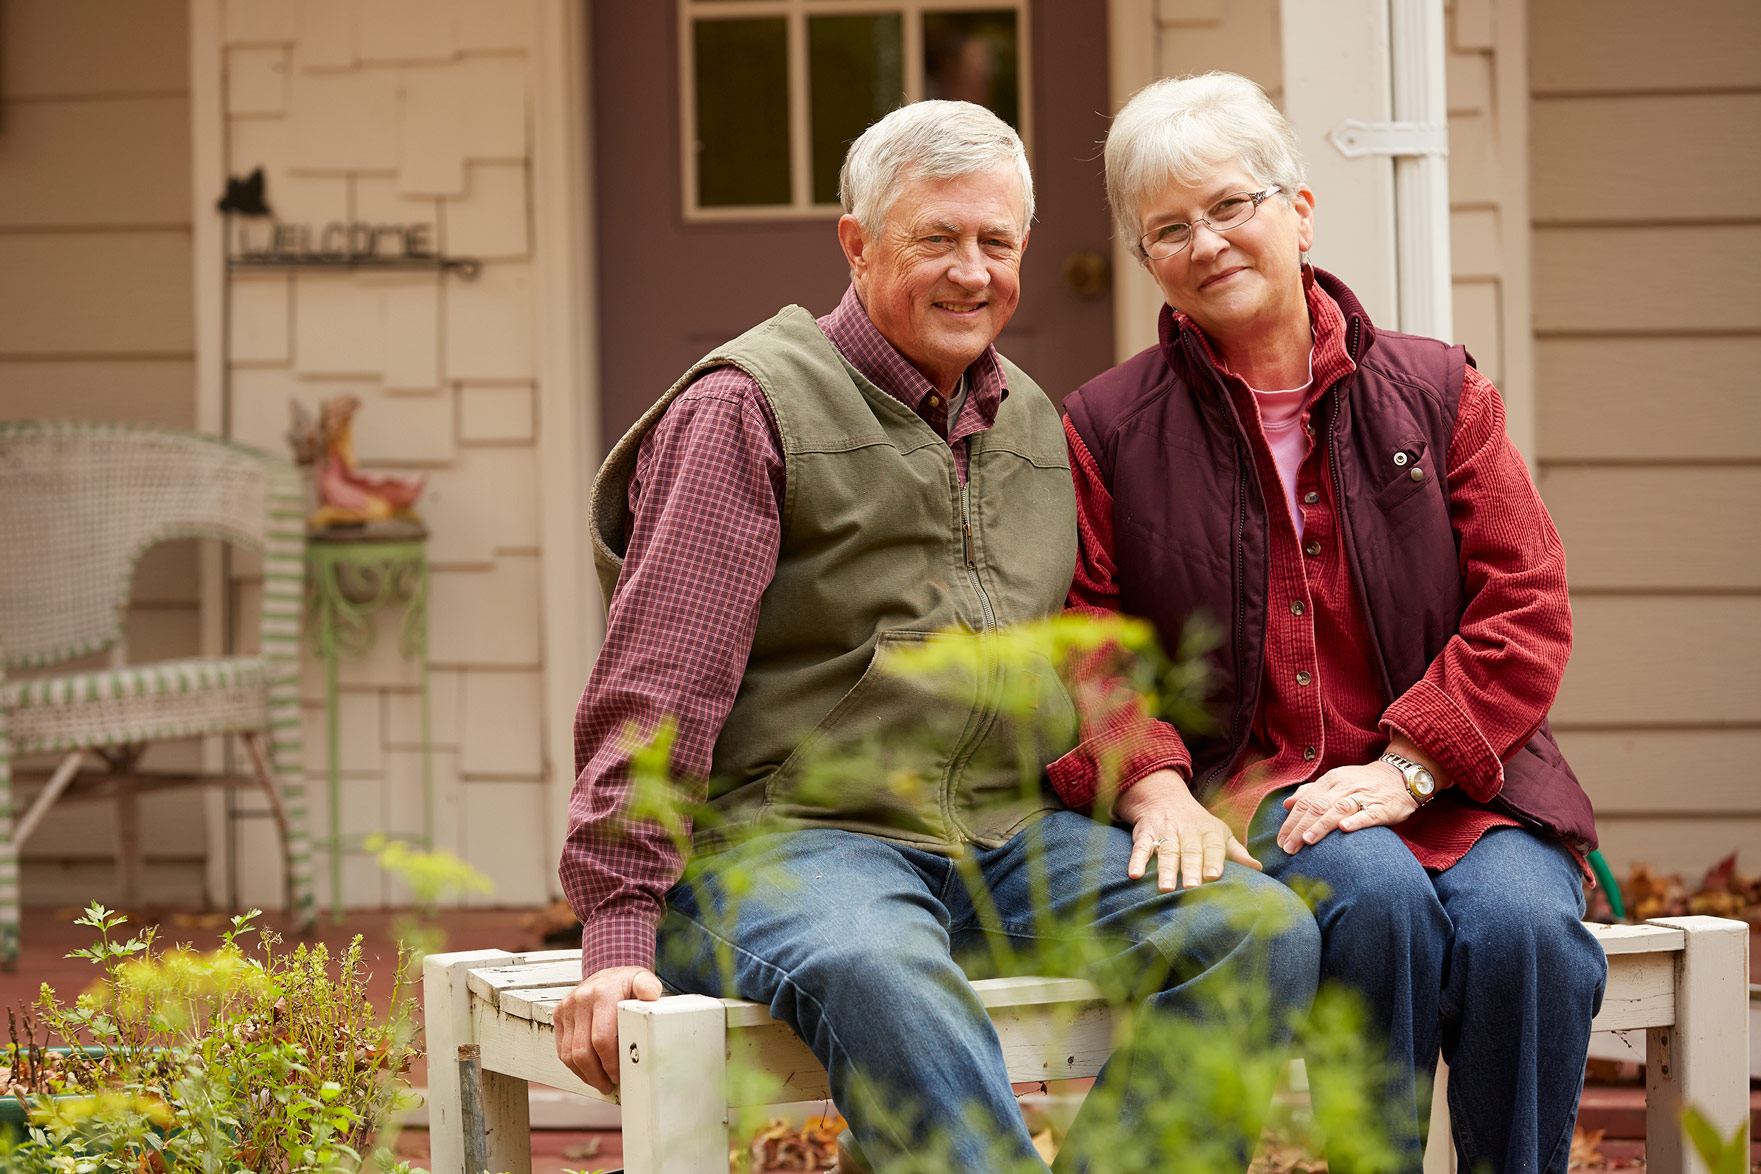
1417, 474
1400, 459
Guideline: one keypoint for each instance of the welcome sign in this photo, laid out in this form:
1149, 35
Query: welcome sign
257, 241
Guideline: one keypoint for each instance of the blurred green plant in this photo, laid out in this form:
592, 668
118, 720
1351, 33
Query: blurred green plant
1720, 1156
180, 1062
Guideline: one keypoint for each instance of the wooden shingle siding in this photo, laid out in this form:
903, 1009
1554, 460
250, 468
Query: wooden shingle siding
1646, 214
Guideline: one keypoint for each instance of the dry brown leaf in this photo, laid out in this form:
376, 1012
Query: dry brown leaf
1585, 1151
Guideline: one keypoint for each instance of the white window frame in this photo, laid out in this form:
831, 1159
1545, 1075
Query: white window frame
795, 14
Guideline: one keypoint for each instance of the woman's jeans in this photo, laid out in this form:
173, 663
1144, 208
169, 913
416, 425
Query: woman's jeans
856, 944
1487, 960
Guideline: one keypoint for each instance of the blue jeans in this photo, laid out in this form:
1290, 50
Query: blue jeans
1486, 961
857, 944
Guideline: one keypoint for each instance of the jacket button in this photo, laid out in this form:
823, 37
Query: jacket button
1309, 753
1310, 498
1417, 474
1302, 677
1297, 607
1312, 548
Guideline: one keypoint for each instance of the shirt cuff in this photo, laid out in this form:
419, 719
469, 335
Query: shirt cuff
1426, 716
620, 940
1131, 753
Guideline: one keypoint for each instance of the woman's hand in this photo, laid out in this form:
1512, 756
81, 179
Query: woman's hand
1169, 824
1347, 798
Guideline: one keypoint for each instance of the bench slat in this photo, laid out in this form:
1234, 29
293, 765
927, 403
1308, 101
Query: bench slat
1640, 993
1051, 1028
1039, 1043
1637, 939
551, 968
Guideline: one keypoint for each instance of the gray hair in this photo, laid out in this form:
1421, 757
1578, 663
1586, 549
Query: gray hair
934, 139
1181, 130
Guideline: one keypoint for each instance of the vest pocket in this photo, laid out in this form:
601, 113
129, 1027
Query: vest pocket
876, 761
1407, 475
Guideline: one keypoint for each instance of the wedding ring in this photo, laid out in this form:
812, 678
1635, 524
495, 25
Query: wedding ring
1361, 805
1157, 846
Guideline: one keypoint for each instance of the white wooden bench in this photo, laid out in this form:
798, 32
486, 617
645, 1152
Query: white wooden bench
1683, 980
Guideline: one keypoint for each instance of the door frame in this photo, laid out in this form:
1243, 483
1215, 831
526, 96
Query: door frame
568, 384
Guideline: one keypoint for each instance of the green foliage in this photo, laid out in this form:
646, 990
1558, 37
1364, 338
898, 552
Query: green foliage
431, 877
1720, 1156
191, 1063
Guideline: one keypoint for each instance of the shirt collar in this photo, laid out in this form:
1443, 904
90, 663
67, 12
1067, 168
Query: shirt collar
1328, 360
850, 329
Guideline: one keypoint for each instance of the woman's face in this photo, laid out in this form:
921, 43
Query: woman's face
1239, 283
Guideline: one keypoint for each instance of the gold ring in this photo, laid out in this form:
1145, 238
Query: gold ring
1361, 805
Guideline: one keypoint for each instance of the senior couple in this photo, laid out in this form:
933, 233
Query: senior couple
1342, 500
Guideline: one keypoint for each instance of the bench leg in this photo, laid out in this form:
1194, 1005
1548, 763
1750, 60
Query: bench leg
446, 1011
1439, 1137
672, 1075
1703, 1060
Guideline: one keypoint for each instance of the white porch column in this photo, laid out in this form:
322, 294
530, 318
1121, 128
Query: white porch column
1363, 88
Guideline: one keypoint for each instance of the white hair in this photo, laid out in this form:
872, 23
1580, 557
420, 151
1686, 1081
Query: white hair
1181, 130
934, 139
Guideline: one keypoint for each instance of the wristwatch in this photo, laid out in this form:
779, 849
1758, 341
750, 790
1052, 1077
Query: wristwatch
1420, 783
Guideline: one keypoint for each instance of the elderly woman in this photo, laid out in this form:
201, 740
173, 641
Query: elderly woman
1345, 503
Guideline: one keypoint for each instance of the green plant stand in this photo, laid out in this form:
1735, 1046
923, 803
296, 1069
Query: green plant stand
351, 575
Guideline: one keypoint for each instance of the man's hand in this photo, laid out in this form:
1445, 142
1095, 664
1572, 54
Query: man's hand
586, 1021
1169, 824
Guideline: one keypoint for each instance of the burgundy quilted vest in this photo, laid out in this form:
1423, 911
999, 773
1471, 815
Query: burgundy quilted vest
1190, 534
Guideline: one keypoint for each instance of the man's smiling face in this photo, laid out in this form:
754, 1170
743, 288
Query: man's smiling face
941, 277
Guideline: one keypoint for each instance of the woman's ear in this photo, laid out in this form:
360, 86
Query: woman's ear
1304, 203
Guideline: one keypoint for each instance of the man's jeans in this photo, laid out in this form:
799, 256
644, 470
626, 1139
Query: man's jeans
854, 942
1487, 959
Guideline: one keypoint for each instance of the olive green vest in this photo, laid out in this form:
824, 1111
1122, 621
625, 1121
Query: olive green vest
876, 555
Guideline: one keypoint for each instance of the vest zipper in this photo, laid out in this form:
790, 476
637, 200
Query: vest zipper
1243, 459
984, 601
1344, 517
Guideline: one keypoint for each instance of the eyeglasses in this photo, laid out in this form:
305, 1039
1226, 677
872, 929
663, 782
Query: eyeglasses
1232, 211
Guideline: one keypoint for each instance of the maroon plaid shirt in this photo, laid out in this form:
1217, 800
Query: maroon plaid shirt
706, 501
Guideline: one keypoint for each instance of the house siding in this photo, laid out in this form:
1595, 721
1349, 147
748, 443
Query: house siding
96, 323
1646, 214
401, 113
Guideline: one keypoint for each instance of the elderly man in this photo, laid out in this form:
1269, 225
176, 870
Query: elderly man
804, 499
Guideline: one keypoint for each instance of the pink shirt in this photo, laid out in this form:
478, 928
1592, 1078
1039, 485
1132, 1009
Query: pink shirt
1283, 418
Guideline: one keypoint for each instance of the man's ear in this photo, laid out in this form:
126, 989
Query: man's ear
854, 242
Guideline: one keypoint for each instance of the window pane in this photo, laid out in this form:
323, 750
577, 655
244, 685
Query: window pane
742, 112
974, 57
856, 73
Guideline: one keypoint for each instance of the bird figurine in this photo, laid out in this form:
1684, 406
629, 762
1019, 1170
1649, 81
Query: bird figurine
347, 496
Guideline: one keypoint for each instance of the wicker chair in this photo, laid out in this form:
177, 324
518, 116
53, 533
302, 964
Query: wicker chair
79, 505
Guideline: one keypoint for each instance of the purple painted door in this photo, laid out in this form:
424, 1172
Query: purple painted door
669, 289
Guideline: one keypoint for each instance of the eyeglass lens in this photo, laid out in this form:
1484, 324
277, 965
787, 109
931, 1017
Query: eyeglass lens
1231, 211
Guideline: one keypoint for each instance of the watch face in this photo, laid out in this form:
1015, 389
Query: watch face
1422, 782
